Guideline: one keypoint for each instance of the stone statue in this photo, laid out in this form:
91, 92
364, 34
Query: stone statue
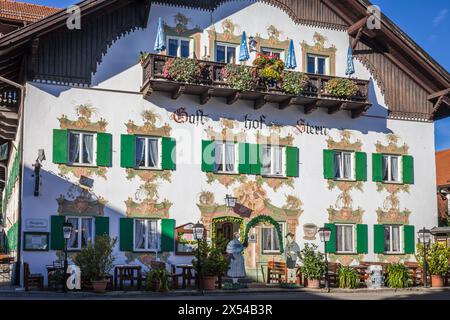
234, 250
291, 251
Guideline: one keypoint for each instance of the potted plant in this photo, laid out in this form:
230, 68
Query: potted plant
157, 280
182, 70
348, 278
341, 88
239, 77
294, 82
96, 261
210, 263
313, 265
437, 258
270, 69
397, 276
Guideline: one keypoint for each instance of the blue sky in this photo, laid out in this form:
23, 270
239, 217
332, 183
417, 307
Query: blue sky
427, 22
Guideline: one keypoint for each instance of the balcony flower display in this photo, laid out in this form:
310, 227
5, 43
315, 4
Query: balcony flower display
270, 68
241, 78
341, 88
182, 70
294, 82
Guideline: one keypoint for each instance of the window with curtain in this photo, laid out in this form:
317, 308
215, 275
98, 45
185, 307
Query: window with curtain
317, 64
270, 240
147, 235
147, 152
226, 53
345, 238
225, 156
272, 161
391, 168
392, 239
81, 148
82, 233
179, 47
343, 165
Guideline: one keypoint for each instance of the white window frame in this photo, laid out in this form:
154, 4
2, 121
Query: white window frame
236, 157
179, 39
80, 155
283, 161
283, 233
316, 63
147, 138
80, 219
227, 45
341, 166
400, 239
353, 251
399, 173
272, 51
146, 249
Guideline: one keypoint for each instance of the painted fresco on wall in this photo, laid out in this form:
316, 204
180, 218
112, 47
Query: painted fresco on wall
319, 48
181, 29
146, 258
146, 203
394, 258
81, 202
347, 259
84, 122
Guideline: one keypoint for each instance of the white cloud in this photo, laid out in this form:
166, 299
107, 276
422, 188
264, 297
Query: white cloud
440, 17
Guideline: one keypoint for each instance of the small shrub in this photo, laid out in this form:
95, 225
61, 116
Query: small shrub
157, 280
294, 82
437, 258
341, 88
182, 70
213, 261
313, 262
241, 78
348, 278
397, 276
270, 68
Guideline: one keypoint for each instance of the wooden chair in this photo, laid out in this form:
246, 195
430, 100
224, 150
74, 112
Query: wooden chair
333, 274
276, 272
32, 280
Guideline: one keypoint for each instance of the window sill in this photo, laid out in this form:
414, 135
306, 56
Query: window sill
345, 253
345, 180
274, 177
227, 173
79, 165
393, 183
271, 253
148, 169
394, 253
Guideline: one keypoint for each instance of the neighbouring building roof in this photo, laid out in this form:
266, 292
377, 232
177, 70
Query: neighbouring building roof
443, 167
24, 12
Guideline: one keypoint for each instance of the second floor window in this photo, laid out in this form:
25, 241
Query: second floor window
179, 47
225, 53
343, 165
317, 64
82, 233
392, 239
272, 161
146, 235
81, 148
391, 168
148, 152
225, 157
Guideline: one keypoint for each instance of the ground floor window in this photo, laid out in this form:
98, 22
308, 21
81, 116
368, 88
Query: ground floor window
345, 238
82, 232
392, 239
270, 240
147, 235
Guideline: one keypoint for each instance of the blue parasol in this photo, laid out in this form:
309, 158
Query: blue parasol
350, 65
291, 61
244, 55
160, 43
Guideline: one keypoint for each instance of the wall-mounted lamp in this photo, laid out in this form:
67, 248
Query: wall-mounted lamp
37, 171
252, 43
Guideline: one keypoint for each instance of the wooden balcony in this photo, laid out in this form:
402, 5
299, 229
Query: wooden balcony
211, 84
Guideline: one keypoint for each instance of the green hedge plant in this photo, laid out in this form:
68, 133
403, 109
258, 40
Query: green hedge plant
313, 262
294, 82
437, 258
348, 278
341, 88
397, 276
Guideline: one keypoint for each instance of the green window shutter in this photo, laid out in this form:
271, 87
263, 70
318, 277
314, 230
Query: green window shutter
244, 160
292, 162
167, 235
126, 234
168, 154
127, 151
378, 238
104, 149
331, 245
56, 234
208, 153
101, 226
377, 167
409, 240
60, 146
328, 164
408, 169
255, 159
362, 240
361, 166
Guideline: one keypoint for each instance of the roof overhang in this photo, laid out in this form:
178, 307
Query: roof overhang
440, 230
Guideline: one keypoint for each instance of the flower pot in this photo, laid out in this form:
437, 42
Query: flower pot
437, 281
209, 283
313, 284
99, 286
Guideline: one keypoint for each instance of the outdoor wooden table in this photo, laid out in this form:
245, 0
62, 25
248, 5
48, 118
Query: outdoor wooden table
186, 274
127, 273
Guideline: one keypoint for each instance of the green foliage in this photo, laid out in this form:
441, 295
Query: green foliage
341, 88
397, 276
241, 78
294, 82
96, 261
182, 70
437, 256
348, 278
157, 280
269, 68
313, 262
210, 260
263, 219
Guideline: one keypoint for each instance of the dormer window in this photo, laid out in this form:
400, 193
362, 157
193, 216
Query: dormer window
179, 47
318, 64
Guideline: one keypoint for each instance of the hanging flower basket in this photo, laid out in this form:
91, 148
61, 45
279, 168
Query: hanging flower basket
182, 70
241, 78
295, 82
341, 88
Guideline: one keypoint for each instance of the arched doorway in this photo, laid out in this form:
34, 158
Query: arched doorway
226, 226
264, 219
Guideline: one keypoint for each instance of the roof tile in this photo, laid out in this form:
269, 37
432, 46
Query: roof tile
24, 12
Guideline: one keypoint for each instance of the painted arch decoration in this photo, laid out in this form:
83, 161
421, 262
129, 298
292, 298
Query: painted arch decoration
265, 220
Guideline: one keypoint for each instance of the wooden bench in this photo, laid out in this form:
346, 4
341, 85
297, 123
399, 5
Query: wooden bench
32, 280
333, 274
276, 272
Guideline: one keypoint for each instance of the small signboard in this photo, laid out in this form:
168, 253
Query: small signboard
36, 225
252, 238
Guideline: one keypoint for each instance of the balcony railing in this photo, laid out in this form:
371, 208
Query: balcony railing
212, 84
